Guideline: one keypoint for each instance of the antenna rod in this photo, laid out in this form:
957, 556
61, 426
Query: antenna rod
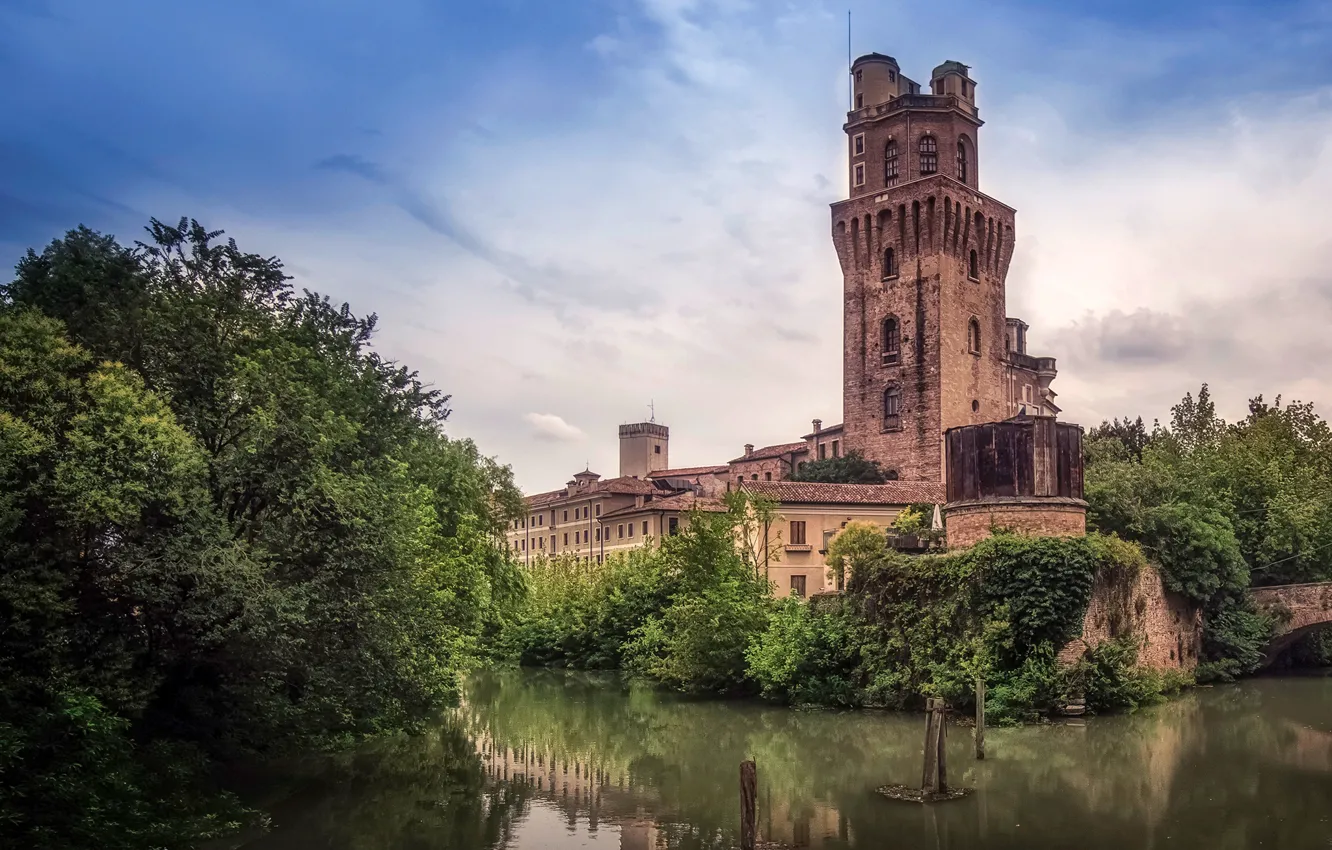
850, 98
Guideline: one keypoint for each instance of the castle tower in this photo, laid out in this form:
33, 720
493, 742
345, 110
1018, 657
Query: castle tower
924, 258
644, 448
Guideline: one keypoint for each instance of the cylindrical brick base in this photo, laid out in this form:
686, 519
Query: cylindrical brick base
967, 523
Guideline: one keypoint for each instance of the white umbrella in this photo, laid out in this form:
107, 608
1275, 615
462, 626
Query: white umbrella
937, 522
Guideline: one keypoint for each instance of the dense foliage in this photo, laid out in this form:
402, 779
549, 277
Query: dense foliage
850, 468
1220, 507
697, 616
229, 529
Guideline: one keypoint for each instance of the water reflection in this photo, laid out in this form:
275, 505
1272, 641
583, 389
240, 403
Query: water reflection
545, 759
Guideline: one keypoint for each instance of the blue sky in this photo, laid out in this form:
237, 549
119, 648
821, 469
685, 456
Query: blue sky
565, 210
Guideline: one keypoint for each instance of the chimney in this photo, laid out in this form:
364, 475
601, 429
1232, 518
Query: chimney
818, 425
749, 449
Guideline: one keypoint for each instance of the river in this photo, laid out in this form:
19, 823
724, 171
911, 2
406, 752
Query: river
544, 759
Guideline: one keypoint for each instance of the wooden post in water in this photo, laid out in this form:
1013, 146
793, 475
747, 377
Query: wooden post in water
934, 777
748, 804
980, 717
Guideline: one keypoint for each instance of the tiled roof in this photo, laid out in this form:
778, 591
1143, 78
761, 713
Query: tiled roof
831, 429
679, 502
772, 451
892, 493
627, 485
688, 471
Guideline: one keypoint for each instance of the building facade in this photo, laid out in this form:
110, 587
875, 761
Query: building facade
927, 345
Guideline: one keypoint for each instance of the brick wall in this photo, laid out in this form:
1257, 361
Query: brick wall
1169, 626
967, 523
932, 225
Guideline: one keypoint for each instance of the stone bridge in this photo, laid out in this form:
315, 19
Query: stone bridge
1299, 609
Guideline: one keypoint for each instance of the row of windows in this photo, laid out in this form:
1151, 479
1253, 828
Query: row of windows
622, 531
928, 160
540, 519
740, 479
836, 449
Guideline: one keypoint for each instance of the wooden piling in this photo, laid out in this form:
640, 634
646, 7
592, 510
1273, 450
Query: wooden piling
748, 805
934, 776
980, 718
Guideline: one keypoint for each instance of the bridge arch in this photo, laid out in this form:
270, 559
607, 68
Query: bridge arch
1299, 610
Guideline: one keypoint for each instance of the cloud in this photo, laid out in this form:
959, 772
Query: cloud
550, 428
563, 205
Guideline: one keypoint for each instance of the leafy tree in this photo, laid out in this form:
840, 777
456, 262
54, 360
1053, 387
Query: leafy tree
226, 523
850, 468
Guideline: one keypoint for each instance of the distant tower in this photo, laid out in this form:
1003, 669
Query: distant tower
644, 448
924, 258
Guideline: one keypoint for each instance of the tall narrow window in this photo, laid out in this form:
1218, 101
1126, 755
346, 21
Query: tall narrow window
797, 532
892, 409
889, 264
859, 174
858, 144
890, 164
798, 591
892, 341
860, 101
929, 155
973, 268
973, 337
961, 160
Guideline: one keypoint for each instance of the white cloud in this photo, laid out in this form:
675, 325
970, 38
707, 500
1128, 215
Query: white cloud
672, 243
551, 428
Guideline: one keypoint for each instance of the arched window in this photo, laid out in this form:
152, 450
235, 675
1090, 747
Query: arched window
973, 269
890, 475
889, 264
973, 337
890, 164
892, 408
892, 341
929, 155
962, 160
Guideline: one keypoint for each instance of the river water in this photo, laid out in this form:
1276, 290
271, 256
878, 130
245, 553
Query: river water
543, 759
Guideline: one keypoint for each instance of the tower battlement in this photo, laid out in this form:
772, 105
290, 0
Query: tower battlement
925, 258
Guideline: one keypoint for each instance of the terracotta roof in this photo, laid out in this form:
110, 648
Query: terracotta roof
626, 484
614, 486
687, 471
773, 451
892, 493
679, 502
835, 429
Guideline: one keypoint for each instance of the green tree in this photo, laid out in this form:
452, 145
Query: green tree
850, 468
226, 521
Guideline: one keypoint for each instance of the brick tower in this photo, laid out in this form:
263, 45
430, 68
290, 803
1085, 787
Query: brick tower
924, 256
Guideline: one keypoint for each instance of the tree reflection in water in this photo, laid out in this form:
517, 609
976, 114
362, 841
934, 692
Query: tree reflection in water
535, 758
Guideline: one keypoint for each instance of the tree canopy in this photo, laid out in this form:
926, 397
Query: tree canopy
850, 468
228, 525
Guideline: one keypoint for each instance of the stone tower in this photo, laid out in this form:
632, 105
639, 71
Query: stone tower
924, 256
644, 448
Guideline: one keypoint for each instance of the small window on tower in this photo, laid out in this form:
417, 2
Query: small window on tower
890, 164
961, 160
889, 264
892, 76
973, 268
929, 155
767, 476
860, 174
973, 337
860, 101
859, 74
892, 409
858, 144
892, 343
656, 449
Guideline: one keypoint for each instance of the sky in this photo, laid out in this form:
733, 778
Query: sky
570, 213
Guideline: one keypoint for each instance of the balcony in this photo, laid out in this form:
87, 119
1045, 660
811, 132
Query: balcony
913, 101
1040, 365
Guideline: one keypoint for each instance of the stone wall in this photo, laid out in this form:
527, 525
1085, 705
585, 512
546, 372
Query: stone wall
1167, 624
967, 523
